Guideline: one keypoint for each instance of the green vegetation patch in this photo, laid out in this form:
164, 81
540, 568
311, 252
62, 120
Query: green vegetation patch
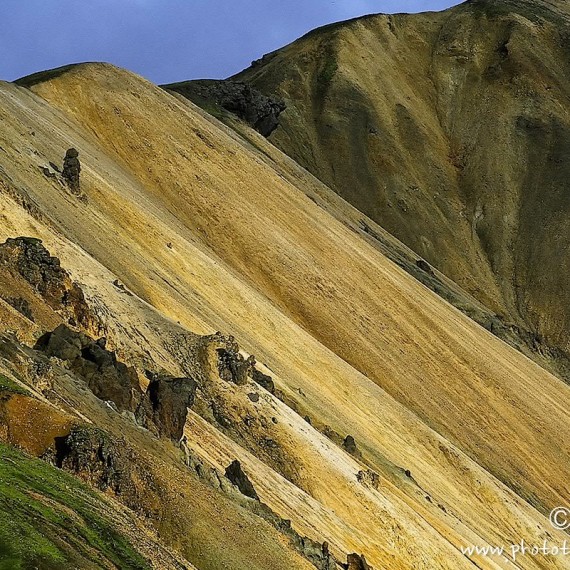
328, 67
7, 385
212, 108
49, 520
328, 71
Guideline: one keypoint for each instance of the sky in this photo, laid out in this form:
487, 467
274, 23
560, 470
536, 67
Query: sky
168, 40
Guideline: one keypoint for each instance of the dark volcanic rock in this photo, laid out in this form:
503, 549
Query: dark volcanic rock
235, 474
253, 397
231, 364
71, 170
357, 562
107, 378
250, 105
92, 454
31, 260
166, 404
349, 445
425, 266
263, 380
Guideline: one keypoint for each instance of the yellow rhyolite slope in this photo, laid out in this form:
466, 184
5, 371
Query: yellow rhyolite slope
450, 129
358, 343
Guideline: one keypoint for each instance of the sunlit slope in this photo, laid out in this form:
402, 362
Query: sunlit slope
251, 255
450, 130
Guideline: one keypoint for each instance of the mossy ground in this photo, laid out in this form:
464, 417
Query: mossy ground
49, 520
7, 385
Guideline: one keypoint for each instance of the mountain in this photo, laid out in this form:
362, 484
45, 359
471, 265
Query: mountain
450, 130
235, 367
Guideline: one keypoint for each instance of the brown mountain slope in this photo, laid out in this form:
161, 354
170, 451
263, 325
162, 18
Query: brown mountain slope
450, 130
206, 235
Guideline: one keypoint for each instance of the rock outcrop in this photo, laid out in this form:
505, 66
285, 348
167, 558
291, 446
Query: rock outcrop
357, 562
29, 258
236, 475
250, 105
71, 171
232, 366
263, 380
95, 456
107, 378
165, 404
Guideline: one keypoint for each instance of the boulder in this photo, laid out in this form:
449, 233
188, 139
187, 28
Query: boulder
349, 445
357, 562
166, 404
107, 378
236, 475
71, 170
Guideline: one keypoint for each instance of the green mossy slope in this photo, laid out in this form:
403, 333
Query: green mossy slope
49, 520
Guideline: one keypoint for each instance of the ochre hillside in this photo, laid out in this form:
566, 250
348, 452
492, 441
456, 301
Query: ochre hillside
451, 130
397, 429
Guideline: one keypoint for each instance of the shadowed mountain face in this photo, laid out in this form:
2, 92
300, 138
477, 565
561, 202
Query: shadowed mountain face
451, 130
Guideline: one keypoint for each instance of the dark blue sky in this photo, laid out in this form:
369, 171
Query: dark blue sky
167, 40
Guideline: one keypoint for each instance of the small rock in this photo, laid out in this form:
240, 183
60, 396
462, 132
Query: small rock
236, 475
268, 442
357, 562
263, 380
349, 445
48, 172
112, 405
253, 397
424, 266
